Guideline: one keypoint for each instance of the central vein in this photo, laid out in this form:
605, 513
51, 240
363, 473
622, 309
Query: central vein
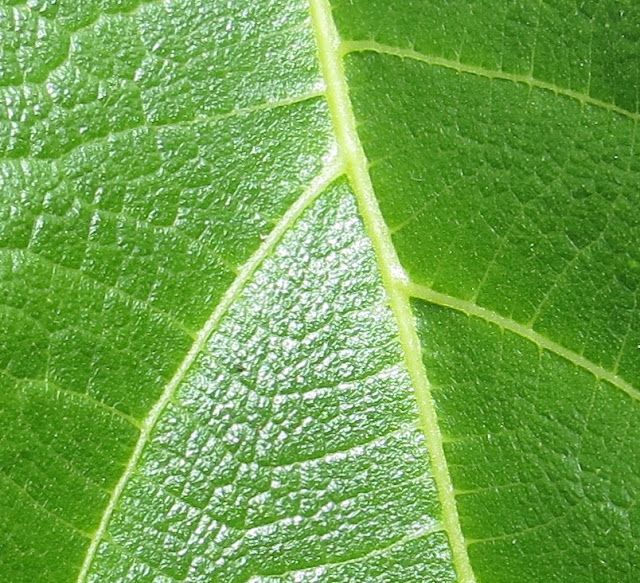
344, 123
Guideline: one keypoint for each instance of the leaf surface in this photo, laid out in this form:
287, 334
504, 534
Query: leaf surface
319, 292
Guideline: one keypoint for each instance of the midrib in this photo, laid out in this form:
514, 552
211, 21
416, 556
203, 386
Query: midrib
392, 274
333, 169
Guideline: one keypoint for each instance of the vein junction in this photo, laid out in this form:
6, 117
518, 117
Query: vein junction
353, 160
472, 309
332, 171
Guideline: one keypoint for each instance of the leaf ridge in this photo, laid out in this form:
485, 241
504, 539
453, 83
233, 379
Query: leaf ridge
357, 168
372, 46
332, 170
472, 309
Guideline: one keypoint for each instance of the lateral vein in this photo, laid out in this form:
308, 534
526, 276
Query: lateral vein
333, 169
330, 51
473, 309
372, 46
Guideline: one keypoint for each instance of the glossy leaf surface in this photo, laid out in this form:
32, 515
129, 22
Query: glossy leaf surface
299, 291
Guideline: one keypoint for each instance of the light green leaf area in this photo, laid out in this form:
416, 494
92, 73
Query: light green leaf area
299, 291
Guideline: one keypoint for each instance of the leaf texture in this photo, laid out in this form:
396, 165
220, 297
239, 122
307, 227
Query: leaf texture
300, 291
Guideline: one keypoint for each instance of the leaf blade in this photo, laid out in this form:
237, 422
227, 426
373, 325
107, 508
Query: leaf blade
149, 149
320, 447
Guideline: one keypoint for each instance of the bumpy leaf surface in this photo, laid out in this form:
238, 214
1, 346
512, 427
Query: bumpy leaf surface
311, 291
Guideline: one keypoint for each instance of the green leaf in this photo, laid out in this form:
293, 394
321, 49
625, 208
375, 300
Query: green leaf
299, 291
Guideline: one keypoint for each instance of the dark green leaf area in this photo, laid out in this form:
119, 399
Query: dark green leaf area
589, 47
515, 198
543, 455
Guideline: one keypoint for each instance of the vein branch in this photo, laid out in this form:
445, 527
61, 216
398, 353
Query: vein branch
473, 309
526, 79
344, 122
333, 169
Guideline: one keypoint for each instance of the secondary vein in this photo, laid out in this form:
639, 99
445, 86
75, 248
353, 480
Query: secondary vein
333, 169
473, 309
330, 51
372, 46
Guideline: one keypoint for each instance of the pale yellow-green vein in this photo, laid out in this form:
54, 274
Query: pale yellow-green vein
473, 309
329, 51
372, 46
